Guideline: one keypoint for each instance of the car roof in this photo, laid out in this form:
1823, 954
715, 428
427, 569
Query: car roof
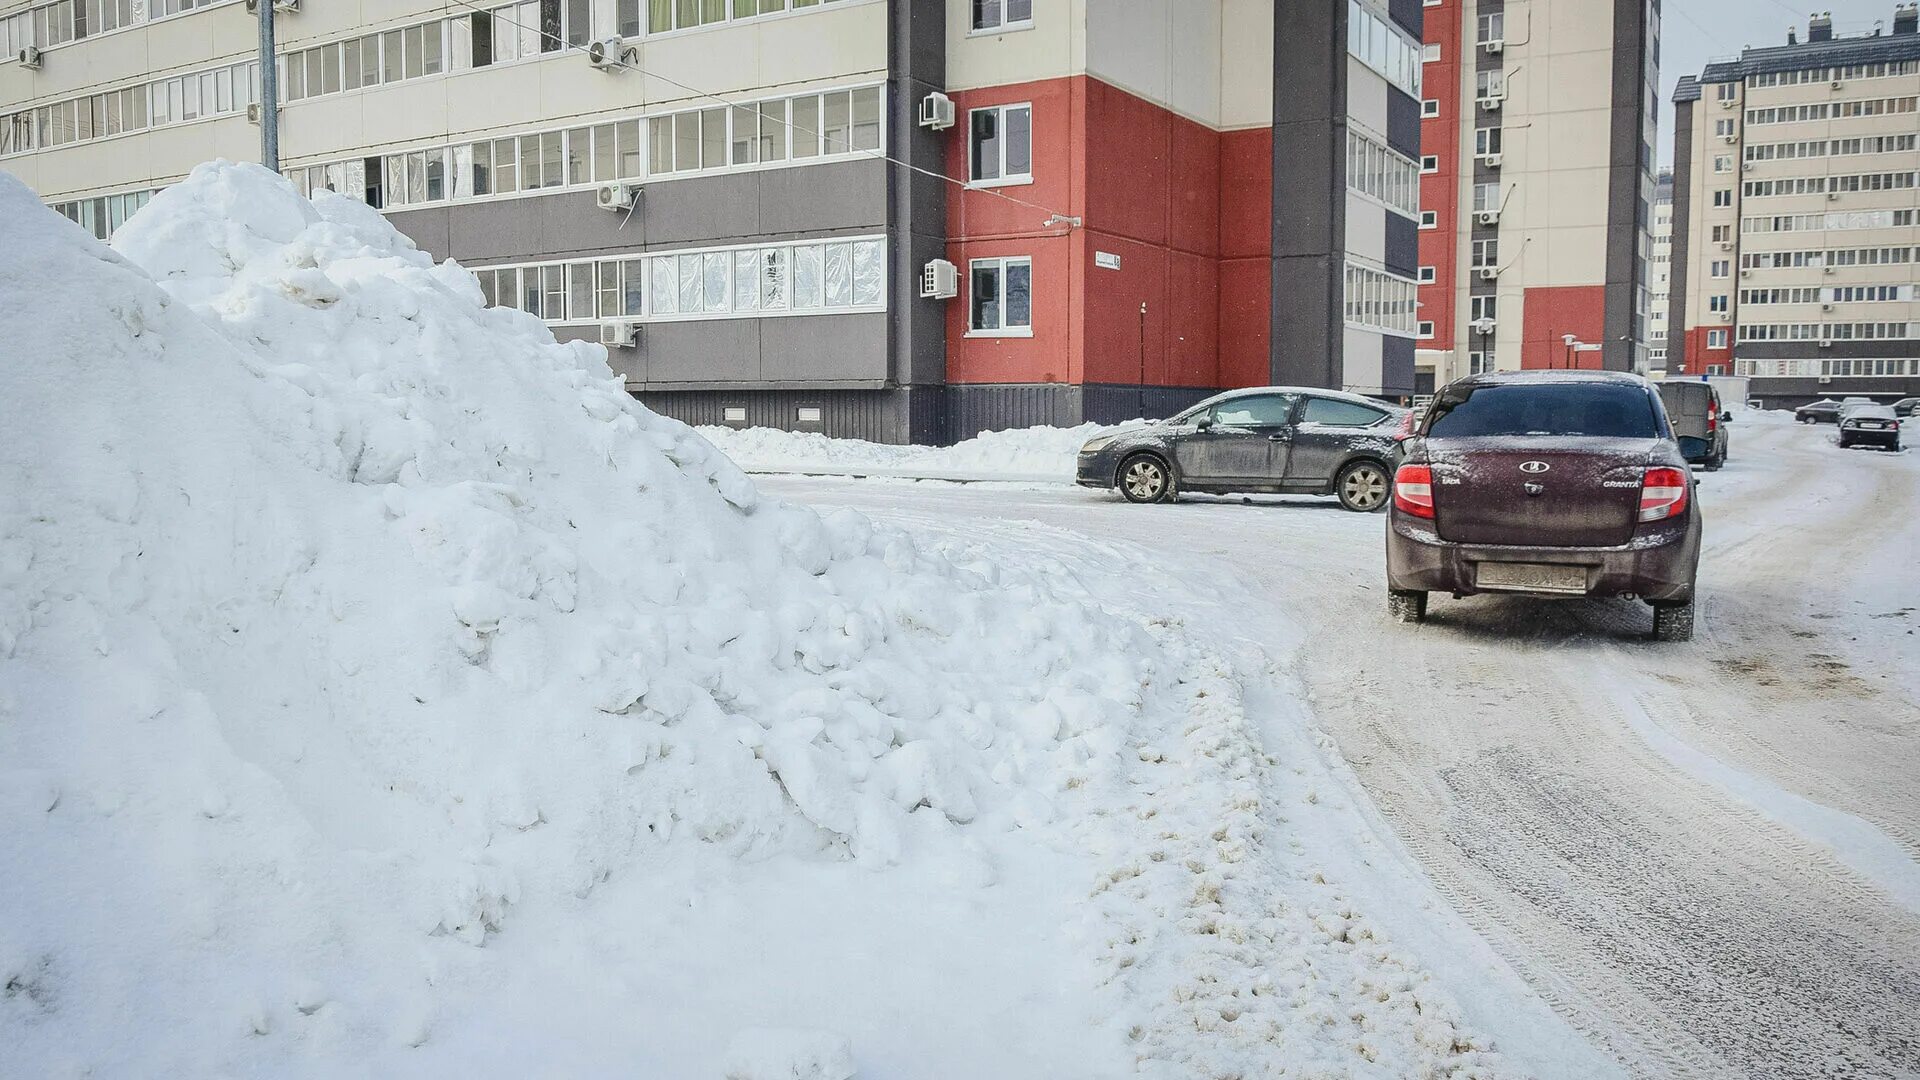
1316, 391
1536, 376
1872, 409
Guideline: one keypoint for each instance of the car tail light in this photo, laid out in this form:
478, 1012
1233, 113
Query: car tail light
1413, 490
1407, 423
1713, 420
1663, 494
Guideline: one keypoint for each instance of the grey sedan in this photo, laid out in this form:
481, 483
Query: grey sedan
1270, 439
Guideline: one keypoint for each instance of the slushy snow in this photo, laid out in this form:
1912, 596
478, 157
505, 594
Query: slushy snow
383, 690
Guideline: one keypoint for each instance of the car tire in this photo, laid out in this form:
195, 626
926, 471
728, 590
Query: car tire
1363, 486
1713, 463
1673, 621
1407, 605
1145, 478
1844, 443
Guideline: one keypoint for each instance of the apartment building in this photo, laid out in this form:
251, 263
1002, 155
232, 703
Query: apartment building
888, 219
1795, 203
1537, 185
1660, 271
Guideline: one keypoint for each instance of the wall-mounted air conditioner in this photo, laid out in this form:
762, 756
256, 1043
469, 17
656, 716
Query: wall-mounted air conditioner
1726, 245
29, 58
1833, 196
1489, 273
1837, 84
1491, 161
1826, 343
1826, 378
1483, 326
939, 280
611, 54
1488, 217
936, 111
1826, 269
616, 196
1744, 272
1729, 138
620, 334
285, 7
1494, 46
1826, 307
1491, 102
1728, 103
1746, 166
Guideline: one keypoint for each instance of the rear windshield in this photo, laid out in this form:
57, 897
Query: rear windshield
1605, 410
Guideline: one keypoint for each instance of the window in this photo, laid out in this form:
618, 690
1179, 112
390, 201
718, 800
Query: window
1716, 339
1001, 297
994, 15
1486, 197
1430, 107
807, 414
1723, 163
1492, 28
1483, 307
1430, 53
1723, 197
1430, 163
1723, 127
1426, 275
1321, 410
1381, 173
734, 414
1609, 410
1486, 252
1722, 233
1425, 330
1717, 304
1726, 91
1490, 84
1429, 219
1000, 141
1377, 42
1486, 141
1254, 411
1477, 362
1718, 268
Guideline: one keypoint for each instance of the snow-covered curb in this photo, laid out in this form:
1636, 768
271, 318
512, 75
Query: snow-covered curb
1023, 455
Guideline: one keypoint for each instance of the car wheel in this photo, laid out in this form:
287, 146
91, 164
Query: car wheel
1844, 443
1673, 622
1144, 478
1407, 605
1713, 463
1362, 486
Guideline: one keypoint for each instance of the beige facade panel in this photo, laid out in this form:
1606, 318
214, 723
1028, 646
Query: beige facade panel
1054, 47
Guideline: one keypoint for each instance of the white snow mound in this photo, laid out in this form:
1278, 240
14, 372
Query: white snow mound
338, 612
1035, 453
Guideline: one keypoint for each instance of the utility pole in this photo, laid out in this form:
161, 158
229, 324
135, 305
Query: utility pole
269, 89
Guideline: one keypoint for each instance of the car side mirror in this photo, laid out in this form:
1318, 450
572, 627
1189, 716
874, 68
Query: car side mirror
1726, 417
1203, 422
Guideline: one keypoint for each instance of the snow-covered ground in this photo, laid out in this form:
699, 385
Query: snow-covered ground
1703, 856
384, 692
1044, 454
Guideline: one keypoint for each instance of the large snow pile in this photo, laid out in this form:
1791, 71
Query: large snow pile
378, 679
1035, 453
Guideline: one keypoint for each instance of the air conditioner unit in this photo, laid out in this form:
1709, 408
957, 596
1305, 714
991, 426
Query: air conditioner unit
1488, 217
29, 58
1826, 378
616, 196
253, 112
287, 7
1729, 138
1826, 307
1833, 196
1728, 103
620, 334
1494, 46
1837, 84
1744, 272
936, 111
1492, 102
939, 280
610, 55
1726, 245
1489, 273
1826, 269
1826, 343
1726, 316
1746, 166
1483, 326
1491, 161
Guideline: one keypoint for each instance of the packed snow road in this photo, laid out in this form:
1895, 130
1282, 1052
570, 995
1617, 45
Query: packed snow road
1702, 856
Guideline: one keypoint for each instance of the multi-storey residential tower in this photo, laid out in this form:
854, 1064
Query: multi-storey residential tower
1660, 270
1795, 201
1537, 184
884, 218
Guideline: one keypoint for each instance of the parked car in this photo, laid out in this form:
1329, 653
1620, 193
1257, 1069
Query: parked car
1905, 406
1826, 410
1699, 421
1279, 439
1870, 425
1546, 483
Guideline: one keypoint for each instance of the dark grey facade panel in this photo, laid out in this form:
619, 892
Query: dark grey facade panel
1309, 170
1679, 258
916, 196
826, 348
1784, 393
1403, 245
1409, 14
1396, 366
1403, 122
887, 416
1839, 350
1818, 54
1629, 187
845, 197
977, 407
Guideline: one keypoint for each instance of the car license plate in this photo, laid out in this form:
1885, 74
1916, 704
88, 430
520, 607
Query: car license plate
1532, 577
1872, 424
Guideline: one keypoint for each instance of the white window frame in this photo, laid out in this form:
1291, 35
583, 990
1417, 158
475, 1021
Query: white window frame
1426, 275
1429, 108
1004, 179
1429, 164
1716, 339
1423, 329
1000, 264
1429, 219
1005, 25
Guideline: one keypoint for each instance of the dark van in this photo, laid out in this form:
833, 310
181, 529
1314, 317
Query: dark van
1699, 421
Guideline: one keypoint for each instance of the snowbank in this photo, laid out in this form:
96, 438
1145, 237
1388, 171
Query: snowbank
383, 690
1035, 453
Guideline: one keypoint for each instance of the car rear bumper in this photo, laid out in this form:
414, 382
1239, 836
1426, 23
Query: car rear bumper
1872, 436
1658, 564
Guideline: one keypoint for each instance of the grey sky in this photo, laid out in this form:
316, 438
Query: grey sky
1695, 31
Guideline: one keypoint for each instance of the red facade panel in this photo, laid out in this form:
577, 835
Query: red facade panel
1440, 190
1549, 314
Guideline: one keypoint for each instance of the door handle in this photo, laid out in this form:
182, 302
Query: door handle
1278, 438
